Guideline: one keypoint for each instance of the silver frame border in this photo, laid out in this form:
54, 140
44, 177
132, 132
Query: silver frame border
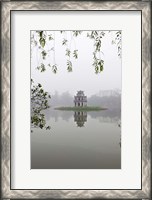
145, 8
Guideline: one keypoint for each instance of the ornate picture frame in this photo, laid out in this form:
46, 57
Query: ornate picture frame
9, 6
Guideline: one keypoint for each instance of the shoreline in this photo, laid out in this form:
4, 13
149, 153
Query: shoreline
86, 108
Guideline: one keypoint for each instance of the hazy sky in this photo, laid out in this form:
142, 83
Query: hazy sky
83, 76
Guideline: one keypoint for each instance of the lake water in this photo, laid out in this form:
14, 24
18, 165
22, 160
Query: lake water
77, 140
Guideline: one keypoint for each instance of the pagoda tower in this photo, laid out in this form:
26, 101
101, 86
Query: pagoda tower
80, 99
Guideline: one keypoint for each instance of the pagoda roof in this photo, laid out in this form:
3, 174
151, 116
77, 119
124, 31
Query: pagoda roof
80, 91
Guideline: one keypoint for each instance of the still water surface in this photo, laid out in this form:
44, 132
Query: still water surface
77, 140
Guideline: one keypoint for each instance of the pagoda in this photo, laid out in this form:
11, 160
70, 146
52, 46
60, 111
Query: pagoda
80, 99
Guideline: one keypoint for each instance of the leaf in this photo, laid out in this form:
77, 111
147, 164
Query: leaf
96, 68
50, 37
64, 42
54, 69
68, 52
48, 127
76, 33
95, 33
94, 55
38, 67
113, 42
98, 45
42, 42
41, 33
75, 54
101, 67
43, 54
41, 67
69, 66
102, 33
41, 126
41, 90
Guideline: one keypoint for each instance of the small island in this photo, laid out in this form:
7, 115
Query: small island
80, 102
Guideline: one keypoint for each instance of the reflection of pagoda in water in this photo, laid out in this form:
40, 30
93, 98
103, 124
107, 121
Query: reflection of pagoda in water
80, 118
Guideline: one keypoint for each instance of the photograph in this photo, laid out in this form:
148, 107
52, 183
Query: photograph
75, 113
76, 99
